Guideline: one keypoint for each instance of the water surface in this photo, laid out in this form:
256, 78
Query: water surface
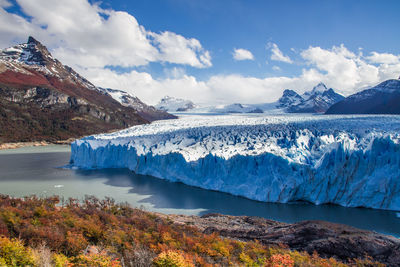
36, 170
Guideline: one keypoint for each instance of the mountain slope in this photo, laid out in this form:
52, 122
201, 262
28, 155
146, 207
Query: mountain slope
41, 99
148, 112
289, 98
381, 99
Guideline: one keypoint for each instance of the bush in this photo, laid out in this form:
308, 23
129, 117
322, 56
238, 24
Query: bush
98, 260
13, 253
60, 260
172, 259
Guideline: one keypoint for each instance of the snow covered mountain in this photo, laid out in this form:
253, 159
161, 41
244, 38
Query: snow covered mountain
348, 160
289, 98
318, 100
236, 108
42, 99
381, 99
29, 62
173, 104
150, 113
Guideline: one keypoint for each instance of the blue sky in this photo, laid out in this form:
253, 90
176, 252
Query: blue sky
225, 24
185, 48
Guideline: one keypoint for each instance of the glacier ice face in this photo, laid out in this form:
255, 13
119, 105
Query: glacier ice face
346, 160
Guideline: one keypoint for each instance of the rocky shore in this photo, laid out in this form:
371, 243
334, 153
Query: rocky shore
327, 239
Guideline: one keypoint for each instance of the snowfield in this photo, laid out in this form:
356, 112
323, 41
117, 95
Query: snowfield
347, 160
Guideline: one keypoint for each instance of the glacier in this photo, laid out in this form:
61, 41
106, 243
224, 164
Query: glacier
351, 160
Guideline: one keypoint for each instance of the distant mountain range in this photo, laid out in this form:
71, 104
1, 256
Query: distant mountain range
237, 108
318, 100
381, 99
42, 99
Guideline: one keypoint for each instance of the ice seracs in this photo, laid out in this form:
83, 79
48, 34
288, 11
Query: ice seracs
351, 160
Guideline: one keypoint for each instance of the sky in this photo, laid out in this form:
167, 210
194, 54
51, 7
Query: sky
214, 52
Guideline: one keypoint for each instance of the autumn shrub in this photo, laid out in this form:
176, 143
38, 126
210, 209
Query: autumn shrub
132, 235
172, 259
60, 260
13, 253
98, 260
281, 260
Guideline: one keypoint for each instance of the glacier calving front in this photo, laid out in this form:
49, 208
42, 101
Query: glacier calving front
347, 160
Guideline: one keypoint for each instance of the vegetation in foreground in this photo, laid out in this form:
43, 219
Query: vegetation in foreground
47, 232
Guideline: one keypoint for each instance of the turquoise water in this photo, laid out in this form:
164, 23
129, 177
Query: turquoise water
38, 170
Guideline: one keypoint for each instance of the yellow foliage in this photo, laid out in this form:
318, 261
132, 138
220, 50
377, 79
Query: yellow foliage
60, 260
172, 259
13, 253
98, 260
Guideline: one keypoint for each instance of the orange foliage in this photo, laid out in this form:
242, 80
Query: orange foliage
131, 235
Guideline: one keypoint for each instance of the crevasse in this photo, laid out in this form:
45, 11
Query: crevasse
348, 160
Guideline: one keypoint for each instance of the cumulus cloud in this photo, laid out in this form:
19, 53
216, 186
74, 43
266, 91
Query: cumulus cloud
83, 34
218, 89
90, 39
242, 54
343, 69
175, 48
277, 54
338, 67
384, 58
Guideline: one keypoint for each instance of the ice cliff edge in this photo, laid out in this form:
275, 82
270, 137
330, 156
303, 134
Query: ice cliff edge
351, 161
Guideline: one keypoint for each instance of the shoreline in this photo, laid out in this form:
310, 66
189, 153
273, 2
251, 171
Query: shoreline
5, 146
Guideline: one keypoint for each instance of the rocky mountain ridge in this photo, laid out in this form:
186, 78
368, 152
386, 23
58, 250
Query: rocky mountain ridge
150, 113
383, 98
42, 99
318, 100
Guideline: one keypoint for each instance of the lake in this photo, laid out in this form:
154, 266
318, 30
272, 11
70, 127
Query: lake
39, 170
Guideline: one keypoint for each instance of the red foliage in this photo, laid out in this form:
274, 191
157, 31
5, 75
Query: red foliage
21, 79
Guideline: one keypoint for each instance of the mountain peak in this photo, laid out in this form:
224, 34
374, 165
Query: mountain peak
289, 92
169, 103
319, 88
32, 40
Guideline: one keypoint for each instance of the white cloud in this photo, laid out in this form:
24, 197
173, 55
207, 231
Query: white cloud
89, 38
219, 89
83, 34
337, 67
277, 54
276, 68
147, 88
242, 54
5, 3
384, 58
177, 49
346, 71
